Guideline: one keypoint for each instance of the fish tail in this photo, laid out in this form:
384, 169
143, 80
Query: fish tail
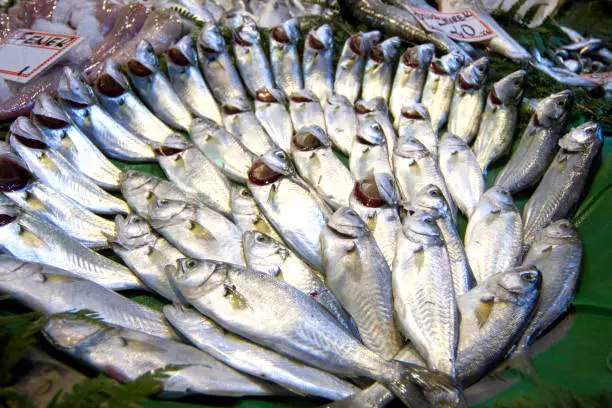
374, 396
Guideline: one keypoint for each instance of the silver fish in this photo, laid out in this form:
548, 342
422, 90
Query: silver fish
538, 144
499, 119
54, 170
305, 109
377, 109
272, 12
240, 120
341, 123
468, 100
369, 153
50, 290
461, 171
414, 122
281, 194
251, 59
350, 67
146, 254
271, 112
154, 88
80, 103
356, 271
59, 133
216, 65
410, 79
284, 57
222, 148
379, 69
247, 215
317, 62
320, 167
494, 234
563, 183
197, 231
253, 359
439, 87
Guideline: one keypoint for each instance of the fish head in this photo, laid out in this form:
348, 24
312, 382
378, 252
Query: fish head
508, 91
303, 96
68, 334
203, 126
174, 144
286, 33
164, 212
498, 198
418, 56
372, 105
582, 138
414, 112
520, 284
386, 51
73, 87
376, 190
132, 232
263, 253
361, 43
242, 201
335, 101
49, 117
370, 133
474, 75
13, 269
553, 109
14, 176
346, 223
132, 180
145, 62
198, 278
278, 161
271, 95
410, 147
320, 39
236, 105
448, 64
26, 139
559, 230
309, 138
431, 199
210, 40
111, 82
246, 34
182, 53
421, 228
452, 143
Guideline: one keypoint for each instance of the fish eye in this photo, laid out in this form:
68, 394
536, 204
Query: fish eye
281, 155
164, 202
246, 193
351, 212
191, 263
434, 192
530, 276
260, 238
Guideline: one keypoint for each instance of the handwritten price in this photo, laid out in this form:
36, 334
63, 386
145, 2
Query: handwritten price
463, 25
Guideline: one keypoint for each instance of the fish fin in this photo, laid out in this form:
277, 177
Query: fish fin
235, 298
418, 249
272, 193
411, 162
522, 363
200, 231
484, 310
31, 239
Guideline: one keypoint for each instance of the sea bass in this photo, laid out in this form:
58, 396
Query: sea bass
251, 59
240, 120
246, 214
284, 57
377, 109
349, 72
414, 122
379, 69
341, 123
317, 62
271, 112
369, 153
306, 110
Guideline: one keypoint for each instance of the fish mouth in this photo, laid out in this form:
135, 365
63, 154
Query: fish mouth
13, 176
110, 87
138, 69
301, 97
264, 95
280, 35
309, 138
261, 174
415, 111
177, 57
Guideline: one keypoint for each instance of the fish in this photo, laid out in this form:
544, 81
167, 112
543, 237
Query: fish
248, 302
188, 82
377, 109
251, 60
216, 65
271, 13
241, 121
281, 194
439, 87
222, 148
562, 185
369, 153
538, 144
494, 234
126, 354
154, 88
409, 79
145, 253
253, 359
317, 62
305, 109
51, 168
202, 11
415, 122
341, 123
284, 58
380, 68
271, 112
557, 253
461, 171
81, 105
356, 271
499, 119
350, 67
374, 198
468, 100
317, 164
246, 214
59, 133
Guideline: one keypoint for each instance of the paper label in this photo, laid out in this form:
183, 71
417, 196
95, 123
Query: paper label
462, 25
599, 77
24, 54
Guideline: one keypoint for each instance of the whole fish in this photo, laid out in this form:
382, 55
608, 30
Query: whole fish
320, 167
538, 144
374, 198
188, 82
494, 234
59, 133
557, 253
380, 68
356, 271
127, 354
253, 359
216, 65
305, 109
281, 194
560, 190
246, 214
50, 290
439, 87
410, 79
317, 62
196, 230
222, 148
350, 67
461, 171
146, 253
271, 112
499, 119
249, 302
154, 88
54, 170
80, 103
251, 59
341, 123
414, 122
369, 153
468, 100
284, 57
240, 120
377, 109
188, 168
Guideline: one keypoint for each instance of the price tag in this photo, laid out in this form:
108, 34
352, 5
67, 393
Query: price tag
24, 54
599, 77
462, 25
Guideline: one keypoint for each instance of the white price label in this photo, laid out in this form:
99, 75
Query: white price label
24, 54
462, 25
